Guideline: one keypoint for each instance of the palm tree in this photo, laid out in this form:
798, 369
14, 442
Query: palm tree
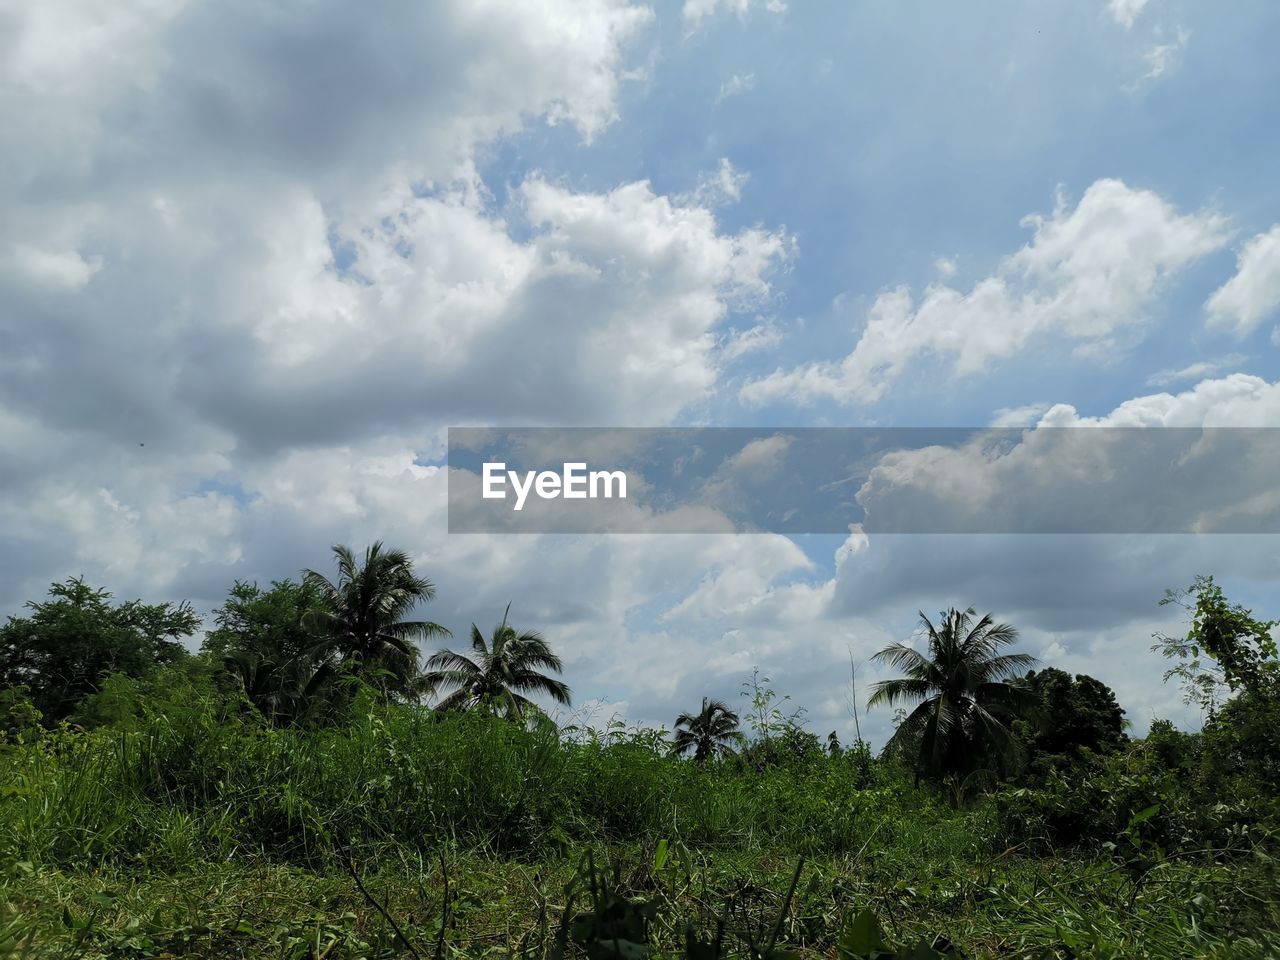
363, 616
286, 693
503, 669
711, 731
962, 701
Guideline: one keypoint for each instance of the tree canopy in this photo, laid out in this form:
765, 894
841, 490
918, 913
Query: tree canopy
66, 647
499, 674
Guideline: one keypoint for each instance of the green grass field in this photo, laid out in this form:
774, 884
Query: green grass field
196, 834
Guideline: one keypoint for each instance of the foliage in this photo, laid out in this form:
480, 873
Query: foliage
1225, 647
962, 702
1072, 714
128, 703
69, 644
792, 746
19, 717
200, 835
271, 624
178, 817
711, 732
505, 668
361, 618
1240, 644
265, 644
766, 715
1242, 746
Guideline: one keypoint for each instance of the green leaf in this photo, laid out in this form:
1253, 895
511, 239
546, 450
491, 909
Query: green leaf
1143, 816
660, 856
862, 939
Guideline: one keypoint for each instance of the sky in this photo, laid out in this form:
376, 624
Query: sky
256, 257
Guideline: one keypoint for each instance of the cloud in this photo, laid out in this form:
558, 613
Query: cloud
214, 217
724, 185
1110, 478
1199, 370
1087, 275
58, 268
1164, 58
1253, 294
174, 87
1023, 416
736, 84
1125, 12
740, 343
695, 11
606, 311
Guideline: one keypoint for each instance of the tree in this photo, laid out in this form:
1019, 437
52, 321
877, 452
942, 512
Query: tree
70, 643
265, 644
1072, 714
361, 618
962, 701
1240, 650
710, 732
272, 624
505, 668
1242, 735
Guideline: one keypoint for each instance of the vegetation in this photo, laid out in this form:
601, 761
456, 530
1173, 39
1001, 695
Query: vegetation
290, 792
72, 642
962, 702
508, 666
710, 732
360, 618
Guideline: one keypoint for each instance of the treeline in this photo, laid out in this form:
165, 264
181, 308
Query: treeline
312, 731
296, 653
305, 663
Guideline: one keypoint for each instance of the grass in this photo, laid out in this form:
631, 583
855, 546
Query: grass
200, 835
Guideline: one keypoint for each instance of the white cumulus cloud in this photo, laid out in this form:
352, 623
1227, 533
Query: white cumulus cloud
1253, 294
1088, 274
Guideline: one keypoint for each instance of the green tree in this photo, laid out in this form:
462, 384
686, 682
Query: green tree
767, 718
125, 703
1240, 649
361, 620
1073, 713
63, 651
1227, 649
710, 732
272, 624
503, 669
265, 644
962, 700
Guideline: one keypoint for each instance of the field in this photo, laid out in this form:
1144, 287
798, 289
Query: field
195, 832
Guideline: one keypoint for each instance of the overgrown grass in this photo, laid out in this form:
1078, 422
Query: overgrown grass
197, 834
196, 785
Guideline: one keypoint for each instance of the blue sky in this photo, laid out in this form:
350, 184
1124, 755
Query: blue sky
256, 257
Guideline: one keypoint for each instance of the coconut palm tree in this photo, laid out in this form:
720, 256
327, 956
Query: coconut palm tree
962, 701
503, 669
710, 732
362, 620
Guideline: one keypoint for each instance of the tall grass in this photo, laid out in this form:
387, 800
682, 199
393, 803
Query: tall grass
196, 784
99, 829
